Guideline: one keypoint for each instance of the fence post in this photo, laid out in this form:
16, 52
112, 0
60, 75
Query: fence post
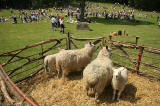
41, 53
110, 37
139, 59
137, 37
68, 42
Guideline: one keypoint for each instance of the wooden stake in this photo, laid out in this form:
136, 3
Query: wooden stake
139, 59
68, 41
110, 37
137, 40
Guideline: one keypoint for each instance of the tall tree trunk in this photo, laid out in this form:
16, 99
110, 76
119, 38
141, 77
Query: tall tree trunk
82, 6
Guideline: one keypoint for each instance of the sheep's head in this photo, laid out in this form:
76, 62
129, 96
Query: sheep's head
105, 52
91, 46
116, 73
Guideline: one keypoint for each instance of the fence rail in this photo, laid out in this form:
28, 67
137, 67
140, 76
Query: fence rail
16, 56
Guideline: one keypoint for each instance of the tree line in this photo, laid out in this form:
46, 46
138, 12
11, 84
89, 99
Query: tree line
142, 4
25, 4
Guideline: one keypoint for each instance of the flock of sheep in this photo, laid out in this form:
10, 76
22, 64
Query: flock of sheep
97, 74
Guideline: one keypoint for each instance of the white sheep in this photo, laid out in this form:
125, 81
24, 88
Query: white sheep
120, 77
98, 74
50, 62
74, 60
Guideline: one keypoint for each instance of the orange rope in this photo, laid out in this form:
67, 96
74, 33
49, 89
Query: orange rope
17, 89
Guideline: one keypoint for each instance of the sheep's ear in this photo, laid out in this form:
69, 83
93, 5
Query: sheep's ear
89, 43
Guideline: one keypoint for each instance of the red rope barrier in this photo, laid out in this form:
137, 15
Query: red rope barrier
17, 89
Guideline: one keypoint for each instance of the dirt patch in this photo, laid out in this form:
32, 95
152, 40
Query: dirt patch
49, 91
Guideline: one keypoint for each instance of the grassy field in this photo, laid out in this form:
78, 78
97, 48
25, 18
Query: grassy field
15, 36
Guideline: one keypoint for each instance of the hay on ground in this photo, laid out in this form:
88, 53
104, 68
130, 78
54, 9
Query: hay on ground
49, 91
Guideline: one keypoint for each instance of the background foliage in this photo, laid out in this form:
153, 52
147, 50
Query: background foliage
140, 4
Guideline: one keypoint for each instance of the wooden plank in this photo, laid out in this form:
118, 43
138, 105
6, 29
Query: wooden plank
85, 39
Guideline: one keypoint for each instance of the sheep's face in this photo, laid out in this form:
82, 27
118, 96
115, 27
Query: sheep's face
92, 46
117, 74
105, 52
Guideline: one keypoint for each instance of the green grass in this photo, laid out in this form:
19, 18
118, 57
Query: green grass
15, 36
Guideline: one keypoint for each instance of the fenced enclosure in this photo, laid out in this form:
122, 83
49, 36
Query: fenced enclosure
26, 62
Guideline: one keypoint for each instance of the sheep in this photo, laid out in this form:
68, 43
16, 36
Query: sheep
50, 62
98, 74
114, 33
68, 61
120, 78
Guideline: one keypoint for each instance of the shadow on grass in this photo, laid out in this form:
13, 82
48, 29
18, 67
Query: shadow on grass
119, 22
127, 95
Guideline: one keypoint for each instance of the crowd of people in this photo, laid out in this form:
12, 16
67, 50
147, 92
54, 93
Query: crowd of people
57, 22
32, 15
3, 19
117, 11
96, 10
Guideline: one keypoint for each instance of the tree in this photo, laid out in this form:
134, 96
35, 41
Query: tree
82, 5
147, 4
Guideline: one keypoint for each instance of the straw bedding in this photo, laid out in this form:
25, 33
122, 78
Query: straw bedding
49, 91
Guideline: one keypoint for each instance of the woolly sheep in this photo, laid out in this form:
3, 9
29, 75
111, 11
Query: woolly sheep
68, 61
98, 74
114, 33
50, 62
120, 77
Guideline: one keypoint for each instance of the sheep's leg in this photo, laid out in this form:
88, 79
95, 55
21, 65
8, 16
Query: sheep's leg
49, 69
114, 94
96, 95
45, 68
64, 74
58, 73
119, 94
87, 88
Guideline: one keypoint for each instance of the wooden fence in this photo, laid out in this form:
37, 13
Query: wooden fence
21, 66
143, 60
